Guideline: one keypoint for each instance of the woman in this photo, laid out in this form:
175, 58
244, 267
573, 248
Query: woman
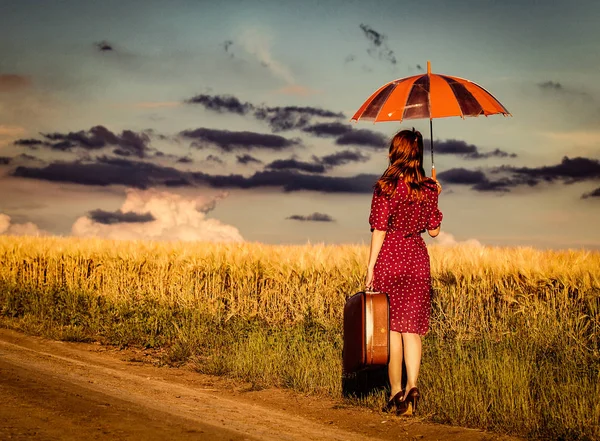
404, 205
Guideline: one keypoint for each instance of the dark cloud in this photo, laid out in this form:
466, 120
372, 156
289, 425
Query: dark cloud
214, 158
139, 174
226, 45
278, 118
365, 138
118, 217
341, 158
128, 143
5, 160
477, 179
315, 217
328, 129
229, 141
468, 151
592, 194
185, 160
247, 159
32, 143
379, 47
550, 85
292, 117
462, 176
222, 103
105, 171
294, 164
290, 181
349, 58
104, 46
569, 170
557, 88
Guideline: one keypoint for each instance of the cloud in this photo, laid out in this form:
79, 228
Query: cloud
128, 143
349, 59
174, 217
315, 217
378, 47
468, 151
340, 158
570, 170
222, 103
185, 160
462, 176
290, 180
365, 138
104, 46
447, 239
550, 85
258, 43
226, 45
5, 160
559, 89
116, 217
139, 174
247, 159
477, 179
106, 171
32, 143
214, 158
328, 129
279, 118
592, 194
292, 117
26, 229
13, 82
229, 141
294, 164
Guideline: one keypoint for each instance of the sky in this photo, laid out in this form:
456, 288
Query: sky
230, 121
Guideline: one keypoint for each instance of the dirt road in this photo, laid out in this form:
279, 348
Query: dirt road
72, 391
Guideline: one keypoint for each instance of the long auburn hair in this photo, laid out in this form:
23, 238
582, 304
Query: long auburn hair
406, 163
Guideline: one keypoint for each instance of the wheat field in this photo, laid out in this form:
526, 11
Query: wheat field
513, 347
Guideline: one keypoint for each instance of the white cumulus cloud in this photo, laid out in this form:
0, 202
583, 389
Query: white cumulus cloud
26, 229
447, 239
172, 217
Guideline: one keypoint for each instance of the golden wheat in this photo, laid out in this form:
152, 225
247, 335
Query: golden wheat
514, 331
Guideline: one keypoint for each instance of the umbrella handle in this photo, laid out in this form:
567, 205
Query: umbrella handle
433, 174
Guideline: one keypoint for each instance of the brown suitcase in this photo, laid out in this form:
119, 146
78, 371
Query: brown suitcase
366, 331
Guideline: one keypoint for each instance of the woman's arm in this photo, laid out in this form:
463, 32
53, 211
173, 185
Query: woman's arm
377, 238
435, 232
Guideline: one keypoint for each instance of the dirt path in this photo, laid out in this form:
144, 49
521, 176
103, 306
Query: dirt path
71, 391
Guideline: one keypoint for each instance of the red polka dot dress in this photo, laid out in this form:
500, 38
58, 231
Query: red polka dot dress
402, 266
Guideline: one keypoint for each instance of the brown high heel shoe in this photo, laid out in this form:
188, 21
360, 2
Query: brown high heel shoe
393, 402
409, 404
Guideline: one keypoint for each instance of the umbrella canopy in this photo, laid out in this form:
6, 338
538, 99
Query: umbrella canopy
428, 96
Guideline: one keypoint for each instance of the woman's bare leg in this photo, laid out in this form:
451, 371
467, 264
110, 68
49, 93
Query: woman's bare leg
395, 364
412, 359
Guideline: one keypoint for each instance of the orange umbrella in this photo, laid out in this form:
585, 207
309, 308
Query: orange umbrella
428, 96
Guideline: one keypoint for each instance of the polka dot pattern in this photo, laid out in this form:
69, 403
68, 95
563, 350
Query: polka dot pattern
402, 266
